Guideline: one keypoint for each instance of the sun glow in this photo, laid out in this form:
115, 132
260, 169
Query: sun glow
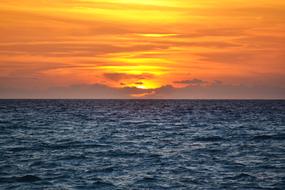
146, 84
157, 35
141, 2
136, 69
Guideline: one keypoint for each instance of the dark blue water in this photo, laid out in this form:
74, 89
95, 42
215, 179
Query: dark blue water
129, 144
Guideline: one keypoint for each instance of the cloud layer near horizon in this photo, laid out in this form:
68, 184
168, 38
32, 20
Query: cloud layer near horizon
215, 90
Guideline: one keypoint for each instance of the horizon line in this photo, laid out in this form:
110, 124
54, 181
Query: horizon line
193, 99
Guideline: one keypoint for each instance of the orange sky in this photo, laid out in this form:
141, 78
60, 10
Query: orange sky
149, 44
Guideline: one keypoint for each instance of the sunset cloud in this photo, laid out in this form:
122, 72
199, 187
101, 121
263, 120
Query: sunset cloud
98, 91
191, 82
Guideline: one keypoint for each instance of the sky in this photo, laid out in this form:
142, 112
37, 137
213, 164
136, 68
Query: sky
166, 49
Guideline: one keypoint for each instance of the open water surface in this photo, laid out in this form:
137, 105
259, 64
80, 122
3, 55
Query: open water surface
142, 144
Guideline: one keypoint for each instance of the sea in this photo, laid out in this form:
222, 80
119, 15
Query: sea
142, 144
